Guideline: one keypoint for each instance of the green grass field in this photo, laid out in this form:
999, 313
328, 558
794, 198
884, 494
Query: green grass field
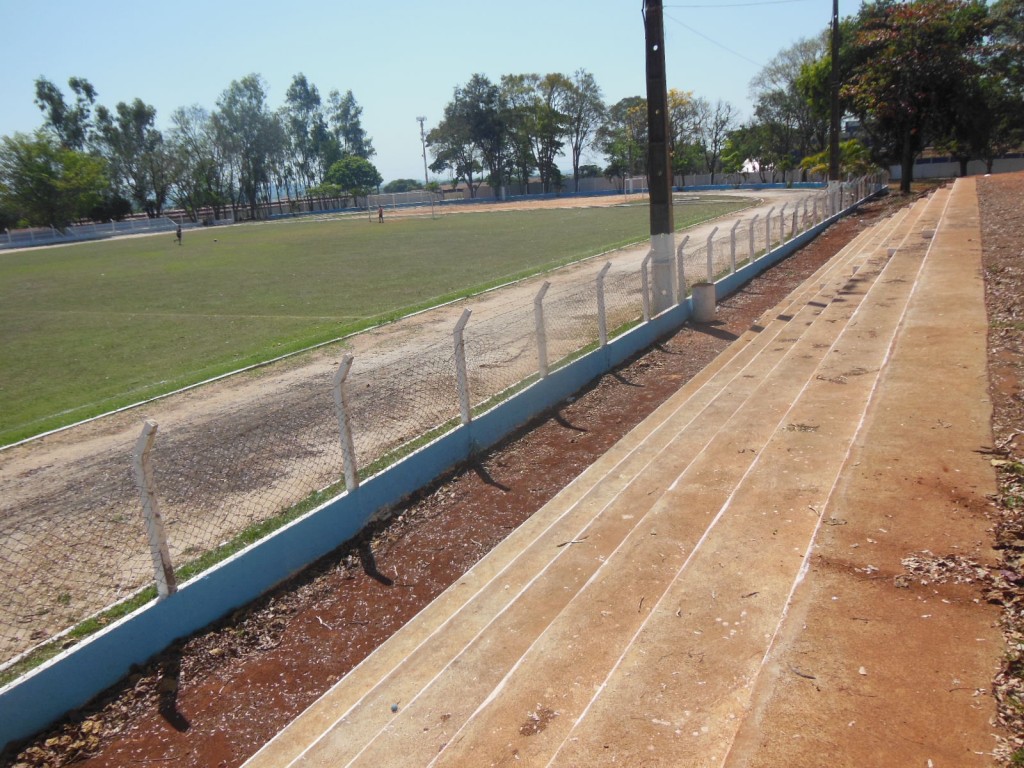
92, 327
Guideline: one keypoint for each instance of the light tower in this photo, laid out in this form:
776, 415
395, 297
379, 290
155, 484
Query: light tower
423, 141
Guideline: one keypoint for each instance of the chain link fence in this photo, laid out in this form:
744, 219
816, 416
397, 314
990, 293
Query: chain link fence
72, 550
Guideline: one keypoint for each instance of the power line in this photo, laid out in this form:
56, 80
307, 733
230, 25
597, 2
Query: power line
737, 5
712, 41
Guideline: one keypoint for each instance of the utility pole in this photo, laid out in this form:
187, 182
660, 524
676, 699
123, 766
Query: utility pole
833, 131
659, 167
423, 141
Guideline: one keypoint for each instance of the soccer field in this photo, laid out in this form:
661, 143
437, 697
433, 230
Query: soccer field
92, 327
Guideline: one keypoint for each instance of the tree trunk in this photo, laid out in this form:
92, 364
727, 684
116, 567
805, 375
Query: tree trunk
906, 163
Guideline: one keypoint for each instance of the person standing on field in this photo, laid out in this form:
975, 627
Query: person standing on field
380, 214
177, 234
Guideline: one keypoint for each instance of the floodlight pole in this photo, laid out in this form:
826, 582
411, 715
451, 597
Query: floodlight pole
423, 141
833, 132
659, 167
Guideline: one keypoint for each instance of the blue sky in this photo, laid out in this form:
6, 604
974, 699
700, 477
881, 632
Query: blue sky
400, 58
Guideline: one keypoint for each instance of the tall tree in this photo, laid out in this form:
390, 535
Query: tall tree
452, 147
312, 147
549, 126
793, 128
46, 184
909, 63
345, 116
519, 96
70, 123
684, 140
485, 112
135, 154
584, 111
201, 170
714, 123
623, 137
252, 136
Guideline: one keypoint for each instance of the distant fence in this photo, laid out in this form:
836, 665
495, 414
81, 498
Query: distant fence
945, 168
25, 238
73, 541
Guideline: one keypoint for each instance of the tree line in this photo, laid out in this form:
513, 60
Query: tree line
945, 74
90, 162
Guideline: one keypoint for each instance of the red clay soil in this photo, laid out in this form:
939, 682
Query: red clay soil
216, 698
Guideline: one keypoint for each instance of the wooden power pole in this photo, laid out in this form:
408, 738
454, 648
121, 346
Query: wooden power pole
659, 166
833, 130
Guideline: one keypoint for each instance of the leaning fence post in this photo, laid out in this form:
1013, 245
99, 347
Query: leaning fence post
711, 256
681, 269
753, 224
768, 229
348, 448
461, 378
645, 289
163, 569
782, 224
732, 246
602, 321
796, 222
542, 340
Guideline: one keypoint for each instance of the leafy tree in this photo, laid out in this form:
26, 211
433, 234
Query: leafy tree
71, 124
854, 160
251, 136
793, 126
474, 134
484, 111
202, 172
584, 111
135, 154
623, 137
452, 148
402, 185
311, 146
345, 117
909, 65
684, 142
535, 122
355, 175
46, 184
519, 95
713, 123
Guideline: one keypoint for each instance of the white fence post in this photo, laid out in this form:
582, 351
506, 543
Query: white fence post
542, 340
796, 223
711, 256
732, 246
462, 379
753, 224
645, 286
602, 320
163, 569
681, 269
782, 224
348, 449
768, 229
